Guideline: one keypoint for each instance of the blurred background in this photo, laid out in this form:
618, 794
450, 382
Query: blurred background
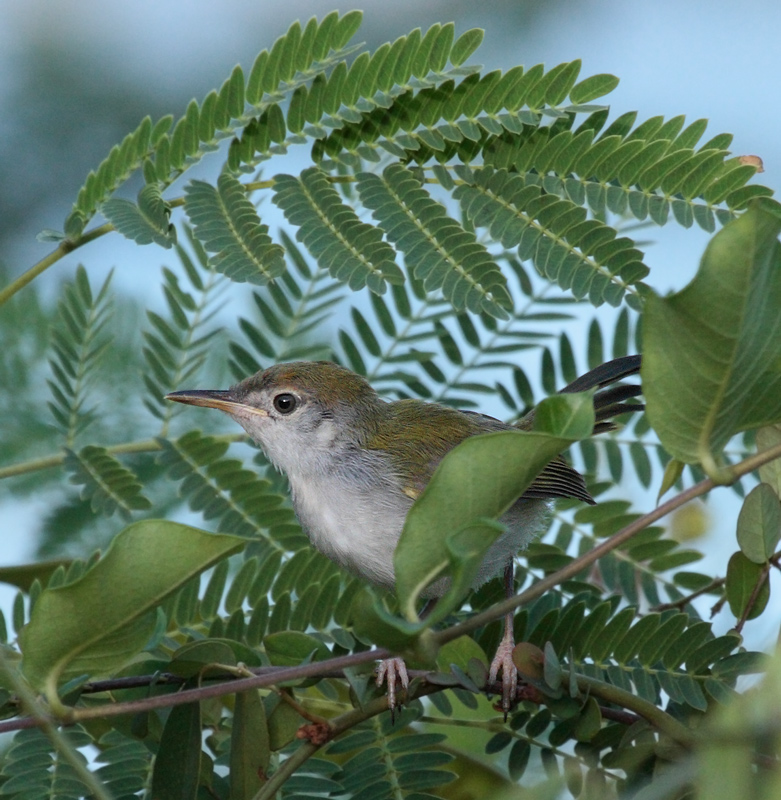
75, 77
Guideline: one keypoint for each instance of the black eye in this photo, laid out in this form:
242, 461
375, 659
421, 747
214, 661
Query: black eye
285, 403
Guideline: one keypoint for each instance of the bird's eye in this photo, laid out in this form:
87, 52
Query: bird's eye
285, 403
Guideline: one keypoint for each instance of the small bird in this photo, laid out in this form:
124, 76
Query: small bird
356, 463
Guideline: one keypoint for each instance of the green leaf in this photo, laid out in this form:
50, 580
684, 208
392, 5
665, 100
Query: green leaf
177, 767
478, 480
566, 415
250, 751
102, 620
351, 250
437, 248
759, 524
190, 659
712, 351
459, 652
107, 484
147, 222
23, 575
747, 583
227, 225
291, 648
465, 45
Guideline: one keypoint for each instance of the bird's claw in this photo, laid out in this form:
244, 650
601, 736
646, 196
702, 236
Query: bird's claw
390, 670
503, 661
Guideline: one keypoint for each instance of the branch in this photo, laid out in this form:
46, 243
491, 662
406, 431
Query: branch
336, 726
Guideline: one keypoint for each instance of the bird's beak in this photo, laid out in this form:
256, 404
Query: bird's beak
221, 399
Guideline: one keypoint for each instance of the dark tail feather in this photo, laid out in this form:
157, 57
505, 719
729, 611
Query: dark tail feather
605, 374
559, 479
610, 402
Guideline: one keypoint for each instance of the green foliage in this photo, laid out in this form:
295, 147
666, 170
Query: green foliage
78, 341
107, 484
738, 387
227, 225
144, 223
439, 225
333, 233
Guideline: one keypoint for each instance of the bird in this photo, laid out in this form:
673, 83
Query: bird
356, 463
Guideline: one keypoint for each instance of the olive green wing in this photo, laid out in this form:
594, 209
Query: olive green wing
417, 435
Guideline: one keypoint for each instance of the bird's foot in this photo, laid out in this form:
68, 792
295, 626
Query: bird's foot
503, 662
390, 670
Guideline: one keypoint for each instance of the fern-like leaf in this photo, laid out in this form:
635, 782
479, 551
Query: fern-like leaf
579, 254
288, 313
351, 250
222, 489
34, 770
437, 249
77, 341
176, 347
107, 484
145, 222
227, 225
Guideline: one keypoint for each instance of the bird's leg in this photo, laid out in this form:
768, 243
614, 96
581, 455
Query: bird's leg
503, 660
393, 669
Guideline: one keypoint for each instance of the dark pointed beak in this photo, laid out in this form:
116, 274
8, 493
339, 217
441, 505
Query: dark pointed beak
221, 399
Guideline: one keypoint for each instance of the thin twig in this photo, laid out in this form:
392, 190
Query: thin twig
716, 583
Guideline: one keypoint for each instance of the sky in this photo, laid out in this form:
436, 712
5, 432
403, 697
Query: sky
716, 60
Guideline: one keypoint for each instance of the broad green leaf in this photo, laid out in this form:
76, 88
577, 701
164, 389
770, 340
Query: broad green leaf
478, 480
374, 623
99, 622
250, 752
743, 580
283, 722
759, 524
712, 351
178, 761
